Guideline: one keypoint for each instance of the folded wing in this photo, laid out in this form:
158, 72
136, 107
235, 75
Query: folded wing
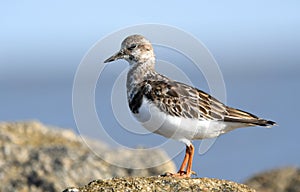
179, 99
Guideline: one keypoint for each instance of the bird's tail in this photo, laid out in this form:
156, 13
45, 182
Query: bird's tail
255, 121
239, 116
264, 123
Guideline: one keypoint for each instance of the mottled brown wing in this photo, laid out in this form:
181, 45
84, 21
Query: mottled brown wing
182, 100
179, 99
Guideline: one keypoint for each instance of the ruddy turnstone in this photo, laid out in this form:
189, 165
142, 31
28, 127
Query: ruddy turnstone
181, 112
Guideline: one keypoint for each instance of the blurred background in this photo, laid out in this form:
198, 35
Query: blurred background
255, 43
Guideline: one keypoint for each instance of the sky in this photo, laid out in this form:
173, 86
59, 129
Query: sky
255, 43
45, 33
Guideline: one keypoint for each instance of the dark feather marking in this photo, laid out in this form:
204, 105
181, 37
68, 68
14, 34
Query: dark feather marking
203, 110
215, 115
172, 93
136, 102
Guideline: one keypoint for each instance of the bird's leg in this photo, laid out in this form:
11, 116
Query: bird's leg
184, 162
191, 151
181, 172
187, 163
185, 170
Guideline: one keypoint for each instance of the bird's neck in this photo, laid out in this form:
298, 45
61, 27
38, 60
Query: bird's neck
138, 72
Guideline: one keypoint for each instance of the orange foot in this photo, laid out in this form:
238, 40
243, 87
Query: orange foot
185, 170
179, 174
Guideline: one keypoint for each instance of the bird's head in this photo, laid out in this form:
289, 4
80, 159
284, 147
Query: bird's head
134, 49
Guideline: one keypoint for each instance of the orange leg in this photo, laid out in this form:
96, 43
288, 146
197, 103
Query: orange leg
186, 166
185, 161
190, 161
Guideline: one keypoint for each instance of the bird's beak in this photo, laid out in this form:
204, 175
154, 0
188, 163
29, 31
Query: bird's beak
118, 55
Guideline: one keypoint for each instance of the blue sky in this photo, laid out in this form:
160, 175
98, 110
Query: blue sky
35, 32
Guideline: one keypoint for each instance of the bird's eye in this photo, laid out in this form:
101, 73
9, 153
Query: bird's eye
132, 47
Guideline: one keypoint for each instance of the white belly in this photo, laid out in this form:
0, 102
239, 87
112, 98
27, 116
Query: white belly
182, 129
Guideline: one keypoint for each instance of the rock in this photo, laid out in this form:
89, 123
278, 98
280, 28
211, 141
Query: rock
277, 180
34, 157
160, 184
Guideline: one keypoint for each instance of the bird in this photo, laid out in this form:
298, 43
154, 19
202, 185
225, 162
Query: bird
173, 109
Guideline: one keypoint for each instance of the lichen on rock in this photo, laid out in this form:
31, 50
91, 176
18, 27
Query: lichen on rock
132, 184
276, 180
34, 157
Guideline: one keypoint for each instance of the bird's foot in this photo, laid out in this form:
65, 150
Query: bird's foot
179, 174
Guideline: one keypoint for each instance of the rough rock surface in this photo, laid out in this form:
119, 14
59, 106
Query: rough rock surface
161, 184
36, 158
277, 180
